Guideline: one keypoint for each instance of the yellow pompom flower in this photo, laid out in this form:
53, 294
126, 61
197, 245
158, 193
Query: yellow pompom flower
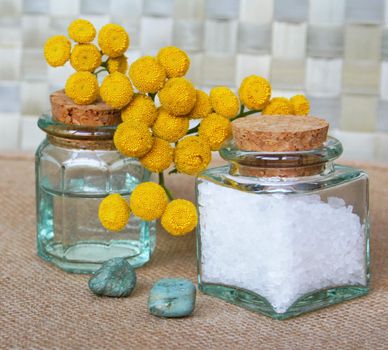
57, 50
82, 88
113, 40
278, 106
215, 129
202, 105
160, 157
175, 61
85, 57
141, 109
116, 90
224, 101
148, 201
82, 31
192, 155
114, 212
178, 96
301, 105
133, 139
169, 127
117, 64
255, 92
147, 74
180, 217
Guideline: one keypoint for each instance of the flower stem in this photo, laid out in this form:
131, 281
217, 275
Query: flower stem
161, 183
244, 114
240, 115
173, 171
99, 71
193, 130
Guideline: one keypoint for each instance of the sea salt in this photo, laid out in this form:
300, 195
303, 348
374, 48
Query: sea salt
280, 247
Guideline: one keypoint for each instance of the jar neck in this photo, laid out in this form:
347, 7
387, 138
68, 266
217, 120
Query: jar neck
77, 136
237, 169
106, 145
282, 164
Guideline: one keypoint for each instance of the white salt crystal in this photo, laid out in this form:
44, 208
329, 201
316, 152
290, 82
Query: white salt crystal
336, 202
279, 246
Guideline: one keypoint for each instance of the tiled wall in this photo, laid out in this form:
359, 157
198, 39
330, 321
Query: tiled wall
336, 51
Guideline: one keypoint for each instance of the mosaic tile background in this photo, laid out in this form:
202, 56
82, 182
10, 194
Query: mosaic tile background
336, 51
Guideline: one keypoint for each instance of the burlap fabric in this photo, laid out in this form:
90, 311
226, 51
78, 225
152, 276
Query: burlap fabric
42, 307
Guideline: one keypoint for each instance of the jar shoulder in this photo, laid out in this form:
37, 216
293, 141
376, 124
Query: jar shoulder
80, 170
340, 176
69, 157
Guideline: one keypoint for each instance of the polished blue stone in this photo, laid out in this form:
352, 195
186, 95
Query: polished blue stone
115, 278
172, 297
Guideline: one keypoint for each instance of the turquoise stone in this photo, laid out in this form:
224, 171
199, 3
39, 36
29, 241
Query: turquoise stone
115, 278
172, 297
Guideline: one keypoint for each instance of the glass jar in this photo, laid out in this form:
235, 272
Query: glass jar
76, 167
278, 244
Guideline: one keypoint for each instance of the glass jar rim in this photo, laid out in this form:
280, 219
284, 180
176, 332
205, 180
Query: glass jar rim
330, 150
73, 131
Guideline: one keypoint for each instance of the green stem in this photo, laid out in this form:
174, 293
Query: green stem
240, 115
244, 114
161, 183
173, 171
99, 71
193, 130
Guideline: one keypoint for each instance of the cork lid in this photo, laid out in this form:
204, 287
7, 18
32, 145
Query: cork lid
64, 110
279, 133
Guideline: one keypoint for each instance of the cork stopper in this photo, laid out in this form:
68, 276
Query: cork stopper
279, 133
64, 110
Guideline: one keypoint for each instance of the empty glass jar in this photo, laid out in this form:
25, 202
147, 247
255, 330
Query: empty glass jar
76, 167
283, 233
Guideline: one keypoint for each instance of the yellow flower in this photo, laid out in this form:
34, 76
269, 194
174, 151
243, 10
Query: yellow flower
174, 61
169, 127
57, 50
255, 92
147, 74
180, 217
192, 155
113, 40
85, 57
133, 139
278, 106
148, 201
301, 105
114, 212
118, 64
82, 31
178, 96
116, 90
202, 105
224, 101
82, 88
141, 109
160, 157
215, 129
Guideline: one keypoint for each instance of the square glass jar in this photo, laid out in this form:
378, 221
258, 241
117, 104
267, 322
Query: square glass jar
283, 245
76, 167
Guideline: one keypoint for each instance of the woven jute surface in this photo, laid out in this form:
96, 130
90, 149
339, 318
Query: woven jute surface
42, 307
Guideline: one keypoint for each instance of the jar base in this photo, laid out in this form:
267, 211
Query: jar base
81, 257
307, 303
